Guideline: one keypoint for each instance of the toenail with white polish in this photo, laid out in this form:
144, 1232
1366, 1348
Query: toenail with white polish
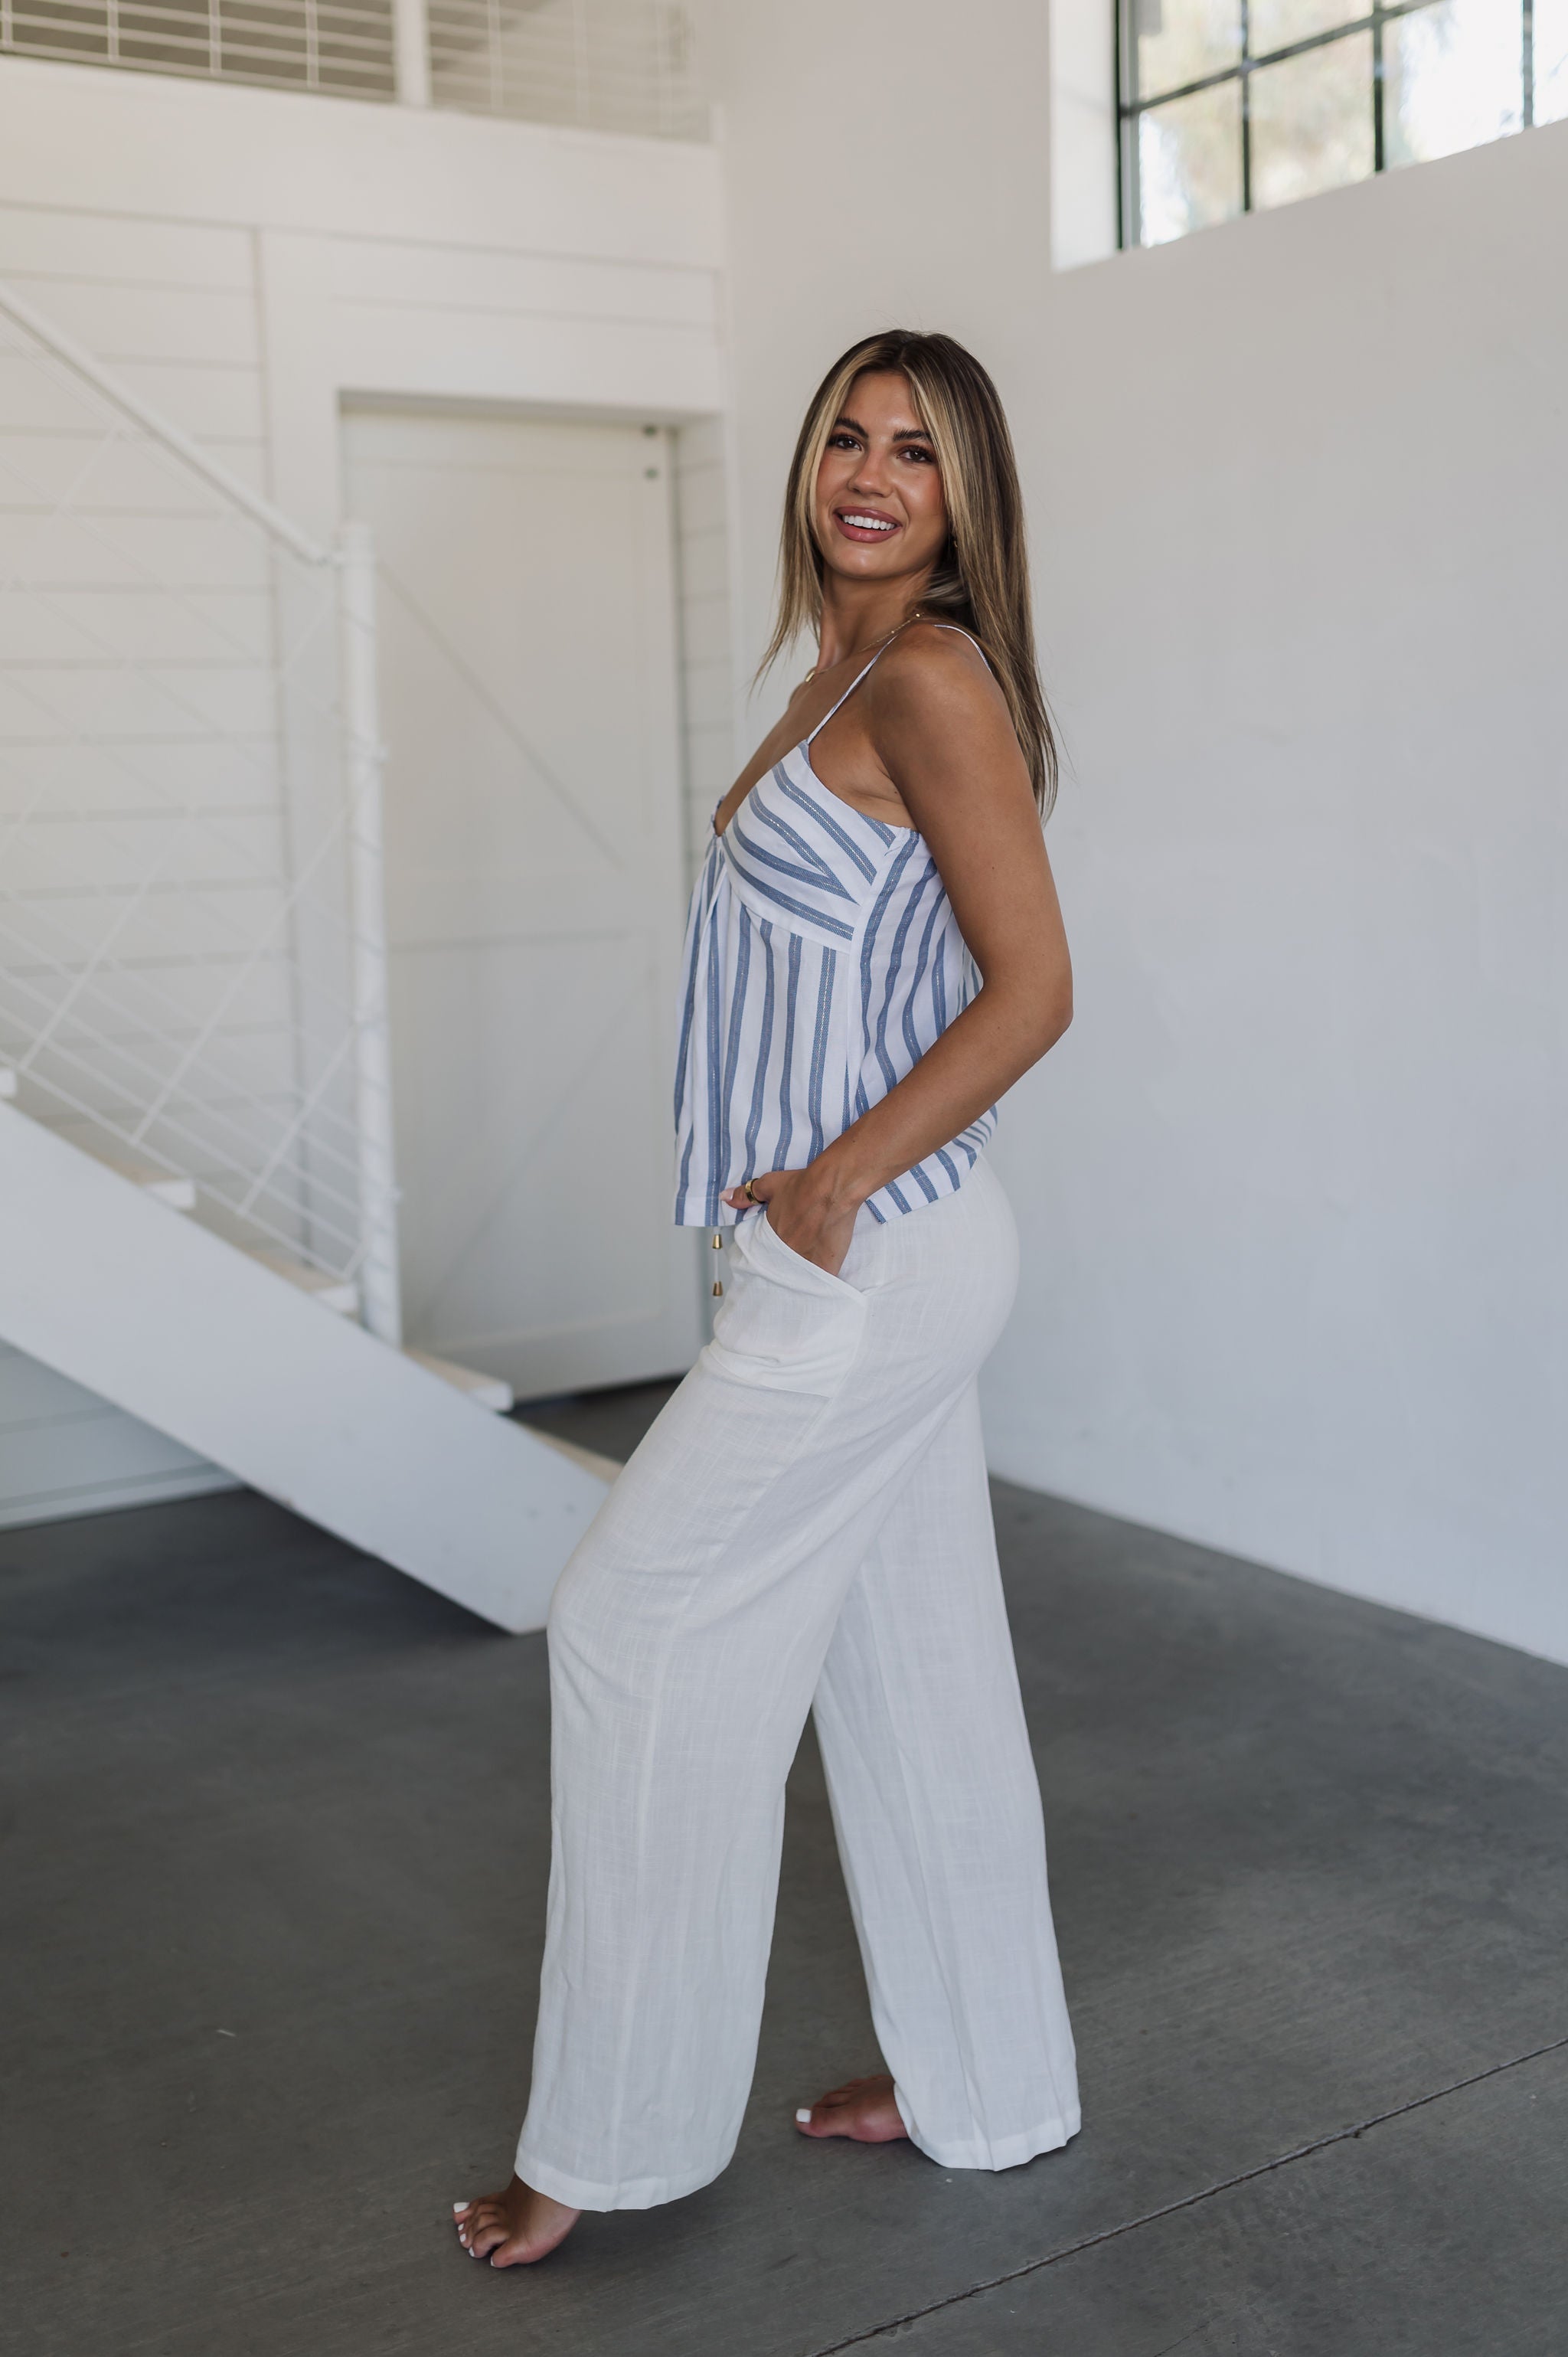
802, 2115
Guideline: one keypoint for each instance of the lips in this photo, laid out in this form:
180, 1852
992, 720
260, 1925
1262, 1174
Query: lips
865, 524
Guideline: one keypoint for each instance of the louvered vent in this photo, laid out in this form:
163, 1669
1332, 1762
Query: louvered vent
607, 65
342, 46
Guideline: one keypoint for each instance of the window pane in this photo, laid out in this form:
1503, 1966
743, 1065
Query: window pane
1180, 41
1312, 122
1551, 60
1190, 163
1275, 24
1451, 78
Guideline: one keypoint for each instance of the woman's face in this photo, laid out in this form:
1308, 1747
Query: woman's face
879, 513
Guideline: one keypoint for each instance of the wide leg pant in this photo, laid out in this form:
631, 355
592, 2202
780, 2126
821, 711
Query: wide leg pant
808, 1520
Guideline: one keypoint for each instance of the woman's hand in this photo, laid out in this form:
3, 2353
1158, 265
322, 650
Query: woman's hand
806, 1211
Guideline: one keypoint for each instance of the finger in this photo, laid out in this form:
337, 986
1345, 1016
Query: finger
761, 1187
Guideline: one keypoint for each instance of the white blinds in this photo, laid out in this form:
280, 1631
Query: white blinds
343, 46
607, 65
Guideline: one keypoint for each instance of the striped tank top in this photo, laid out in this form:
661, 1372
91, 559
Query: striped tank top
822, 959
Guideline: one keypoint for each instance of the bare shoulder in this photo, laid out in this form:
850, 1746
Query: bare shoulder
936, 674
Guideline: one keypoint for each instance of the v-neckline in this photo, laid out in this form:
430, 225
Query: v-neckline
886, 830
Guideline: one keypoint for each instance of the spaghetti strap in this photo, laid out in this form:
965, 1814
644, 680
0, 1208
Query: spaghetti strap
849, 690
973, 641
808, 741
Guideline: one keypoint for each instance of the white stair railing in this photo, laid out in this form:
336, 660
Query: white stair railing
192, 943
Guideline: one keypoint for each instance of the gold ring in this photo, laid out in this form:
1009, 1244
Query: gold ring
749, 1191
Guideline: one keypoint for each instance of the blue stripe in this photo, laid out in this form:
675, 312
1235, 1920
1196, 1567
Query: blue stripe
787, 1068
764, 1044
702, 933
798, 842
753, 851
939, 989
868, 942
732, 1045
891, 1188
950, 1167
911, 1037
829, 826
819, 1051
895, 963
919, 1174
715, 1022
798, 909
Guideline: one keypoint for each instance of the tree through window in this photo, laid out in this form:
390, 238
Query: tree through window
1229, 107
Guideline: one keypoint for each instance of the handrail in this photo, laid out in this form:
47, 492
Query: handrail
229, 486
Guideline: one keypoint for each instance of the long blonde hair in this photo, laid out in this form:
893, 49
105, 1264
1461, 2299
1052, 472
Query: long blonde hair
981, 578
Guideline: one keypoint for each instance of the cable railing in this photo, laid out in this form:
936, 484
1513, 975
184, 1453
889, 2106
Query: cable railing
192, 947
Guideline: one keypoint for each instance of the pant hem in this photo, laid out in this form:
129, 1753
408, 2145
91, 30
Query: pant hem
1011, 2152
632, 2193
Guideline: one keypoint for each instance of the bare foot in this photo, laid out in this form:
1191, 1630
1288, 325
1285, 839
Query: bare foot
863, 2108
514, 2228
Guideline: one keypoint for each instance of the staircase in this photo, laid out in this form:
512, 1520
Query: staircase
197, 1202
240, 1357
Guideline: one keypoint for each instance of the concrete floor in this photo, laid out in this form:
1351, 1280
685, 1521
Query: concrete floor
276, 1825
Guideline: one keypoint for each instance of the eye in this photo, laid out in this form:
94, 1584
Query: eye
840, 440
926, 457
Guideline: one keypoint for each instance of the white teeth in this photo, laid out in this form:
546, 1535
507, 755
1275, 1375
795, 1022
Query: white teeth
868, 522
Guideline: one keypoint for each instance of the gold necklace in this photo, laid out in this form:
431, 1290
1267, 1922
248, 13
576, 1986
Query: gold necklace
892, 634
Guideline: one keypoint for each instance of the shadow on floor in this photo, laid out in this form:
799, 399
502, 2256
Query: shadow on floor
277, 1827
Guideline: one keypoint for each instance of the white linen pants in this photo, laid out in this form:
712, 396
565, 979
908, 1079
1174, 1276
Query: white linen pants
808, 1520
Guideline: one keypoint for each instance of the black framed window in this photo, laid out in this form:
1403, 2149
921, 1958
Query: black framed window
1229, 106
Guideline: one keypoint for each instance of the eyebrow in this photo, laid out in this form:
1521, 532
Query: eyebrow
904, 432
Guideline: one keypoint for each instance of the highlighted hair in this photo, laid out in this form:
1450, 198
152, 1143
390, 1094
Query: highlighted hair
981, 578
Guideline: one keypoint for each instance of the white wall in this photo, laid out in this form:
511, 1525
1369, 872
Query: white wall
703, 528
248, 258
1292, 1188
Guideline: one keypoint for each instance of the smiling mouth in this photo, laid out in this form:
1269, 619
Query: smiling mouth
864, 524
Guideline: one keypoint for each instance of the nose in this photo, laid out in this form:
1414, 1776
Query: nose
873, 475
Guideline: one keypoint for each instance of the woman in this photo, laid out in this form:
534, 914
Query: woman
874, 953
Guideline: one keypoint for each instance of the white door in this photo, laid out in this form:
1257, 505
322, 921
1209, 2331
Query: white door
534, 889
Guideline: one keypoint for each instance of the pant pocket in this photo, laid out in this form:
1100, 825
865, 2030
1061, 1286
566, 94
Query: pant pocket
785, 1325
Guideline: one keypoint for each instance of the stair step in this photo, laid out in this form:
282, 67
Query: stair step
603, 1468
163, 1186
486, 1391
172, 1322
339, 1293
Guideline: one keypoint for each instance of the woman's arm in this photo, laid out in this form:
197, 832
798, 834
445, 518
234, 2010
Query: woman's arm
941, 730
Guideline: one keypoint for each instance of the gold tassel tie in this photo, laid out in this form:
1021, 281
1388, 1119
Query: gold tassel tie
719, 1246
